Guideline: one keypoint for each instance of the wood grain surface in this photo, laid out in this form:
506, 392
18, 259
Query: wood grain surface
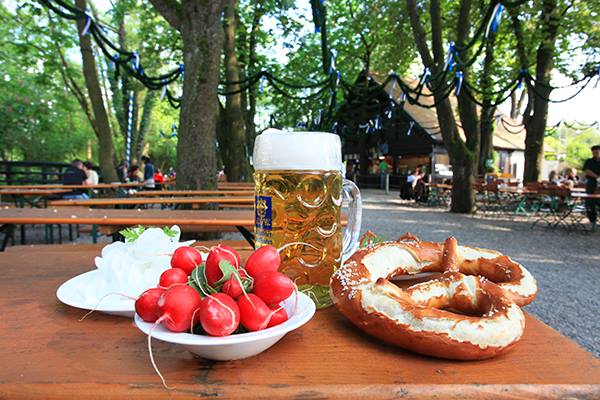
47, 354
109, 202
32, 192
213, 218
167, 193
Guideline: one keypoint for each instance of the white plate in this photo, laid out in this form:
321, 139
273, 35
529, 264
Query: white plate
238, 346
71, 293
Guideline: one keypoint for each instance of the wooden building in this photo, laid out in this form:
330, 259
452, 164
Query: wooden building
374, 126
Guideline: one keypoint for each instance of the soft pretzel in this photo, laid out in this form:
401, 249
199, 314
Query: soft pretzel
487, 322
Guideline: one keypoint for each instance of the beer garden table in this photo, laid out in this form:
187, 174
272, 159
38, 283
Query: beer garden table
167, 193
109, 202
48, 354
202, 220
36, 196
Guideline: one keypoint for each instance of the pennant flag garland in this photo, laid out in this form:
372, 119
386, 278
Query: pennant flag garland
261, 84
459, 81
410, 128
88, 23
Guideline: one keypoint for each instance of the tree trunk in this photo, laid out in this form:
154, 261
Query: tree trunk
233, 152
251, 92
106, 149
199, 23
463, 179
486, 149
536, 114
462, 158
486, 120
149, 102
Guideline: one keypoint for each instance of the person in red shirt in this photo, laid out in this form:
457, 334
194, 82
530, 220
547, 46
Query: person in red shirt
159, 178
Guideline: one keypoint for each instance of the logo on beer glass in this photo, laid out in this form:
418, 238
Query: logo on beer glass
298, 188
263, 219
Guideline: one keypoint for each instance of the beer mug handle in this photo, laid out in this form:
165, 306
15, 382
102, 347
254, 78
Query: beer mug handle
352, 232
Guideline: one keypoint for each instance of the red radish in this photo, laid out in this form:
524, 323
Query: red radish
279, 316
273, 287
176, 307
219, 315
265, 258
146, 304
218, 253
172, 276
186, 258
254, 313
232, 287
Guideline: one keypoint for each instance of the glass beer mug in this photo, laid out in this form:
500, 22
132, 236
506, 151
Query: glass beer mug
298, 200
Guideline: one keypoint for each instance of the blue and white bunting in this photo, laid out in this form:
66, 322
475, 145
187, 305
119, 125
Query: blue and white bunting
411, 125
459, 82
88, 24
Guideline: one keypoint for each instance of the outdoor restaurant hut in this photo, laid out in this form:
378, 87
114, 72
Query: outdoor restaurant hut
375, 124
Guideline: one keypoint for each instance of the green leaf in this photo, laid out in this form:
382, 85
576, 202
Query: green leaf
169, 232
197, 280
131, 234
227, 269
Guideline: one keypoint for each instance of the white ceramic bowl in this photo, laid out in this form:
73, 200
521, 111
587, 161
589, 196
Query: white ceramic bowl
235, 347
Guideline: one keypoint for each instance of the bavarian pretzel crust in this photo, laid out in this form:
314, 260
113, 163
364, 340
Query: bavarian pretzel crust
419, 318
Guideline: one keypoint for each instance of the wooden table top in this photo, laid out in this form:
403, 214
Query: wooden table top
167, 193
152, 200
48, 354
580, 195
61, 186
33, 192
212, 218
443, 186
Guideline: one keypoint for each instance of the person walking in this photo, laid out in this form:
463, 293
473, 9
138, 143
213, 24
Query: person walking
149, 182
383, 171
591, 169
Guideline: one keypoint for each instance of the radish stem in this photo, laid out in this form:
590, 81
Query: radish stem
102, 298
158, 321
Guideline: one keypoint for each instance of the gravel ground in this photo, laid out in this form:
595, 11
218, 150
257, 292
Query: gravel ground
566, 265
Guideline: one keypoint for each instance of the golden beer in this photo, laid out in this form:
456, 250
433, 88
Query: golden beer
305, 210
298, 203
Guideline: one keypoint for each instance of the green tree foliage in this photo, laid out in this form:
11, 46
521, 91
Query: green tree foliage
573, 140
39, 118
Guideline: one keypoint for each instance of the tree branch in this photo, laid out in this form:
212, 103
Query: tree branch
419, 33
437, 43
171, 10
70, 83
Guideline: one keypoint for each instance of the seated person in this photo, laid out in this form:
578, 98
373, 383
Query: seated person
135, 175
159, 179
93, 178
554, 178
75, 175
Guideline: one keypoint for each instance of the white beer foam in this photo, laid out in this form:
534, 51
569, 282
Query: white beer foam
279, 150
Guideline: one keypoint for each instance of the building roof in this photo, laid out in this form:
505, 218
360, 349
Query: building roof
508, 135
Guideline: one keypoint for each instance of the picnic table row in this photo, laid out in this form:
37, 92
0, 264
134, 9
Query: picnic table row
232, 196
111, 221
553, 206
106, 356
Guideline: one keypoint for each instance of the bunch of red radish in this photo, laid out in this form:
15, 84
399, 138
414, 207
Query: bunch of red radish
218, 294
